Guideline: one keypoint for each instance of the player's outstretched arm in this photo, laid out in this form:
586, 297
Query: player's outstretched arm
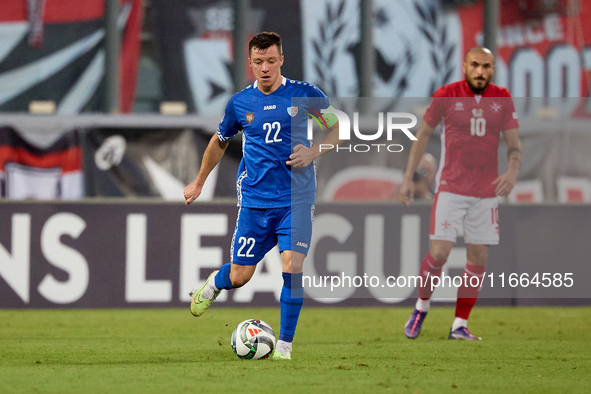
212, 156
406, 192
302, 156
505, 182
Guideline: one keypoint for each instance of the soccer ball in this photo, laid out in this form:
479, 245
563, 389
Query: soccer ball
253, 340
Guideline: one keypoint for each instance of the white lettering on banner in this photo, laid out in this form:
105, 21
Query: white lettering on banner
564, 72
137, 288
344, 263
14, 268
339, 228
410, 259
553, 28
529, 33
527, 74
65, 258
263, 282
194, 256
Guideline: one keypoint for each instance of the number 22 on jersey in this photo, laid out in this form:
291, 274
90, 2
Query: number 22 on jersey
270, 127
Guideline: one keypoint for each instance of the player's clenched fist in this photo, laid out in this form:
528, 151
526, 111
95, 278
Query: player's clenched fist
191, 192
301, 156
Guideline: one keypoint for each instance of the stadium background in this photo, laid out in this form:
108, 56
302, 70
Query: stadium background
123, 238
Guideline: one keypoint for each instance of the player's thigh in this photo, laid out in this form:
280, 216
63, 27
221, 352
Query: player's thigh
447, 214
253, 236
294, 228
481, 225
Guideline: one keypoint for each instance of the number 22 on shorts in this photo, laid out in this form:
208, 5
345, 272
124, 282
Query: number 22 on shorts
245, 242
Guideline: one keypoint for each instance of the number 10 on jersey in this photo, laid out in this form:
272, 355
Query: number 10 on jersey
478, 127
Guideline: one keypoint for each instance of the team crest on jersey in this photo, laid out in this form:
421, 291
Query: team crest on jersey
249, 117
477, 112
292, 111
495, 107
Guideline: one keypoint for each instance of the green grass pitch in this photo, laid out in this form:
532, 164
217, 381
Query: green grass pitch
341, 350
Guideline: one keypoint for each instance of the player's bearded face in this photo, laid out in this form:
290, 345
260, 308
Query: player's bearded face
266, 67
479, 69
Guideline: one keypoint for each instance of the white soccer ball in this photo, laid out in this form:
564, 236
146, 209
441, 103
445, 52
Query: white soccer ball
253, 339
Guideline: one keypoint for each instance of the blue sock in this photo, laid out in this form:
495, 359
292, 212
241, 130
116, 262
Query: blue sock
222, 278
292, 298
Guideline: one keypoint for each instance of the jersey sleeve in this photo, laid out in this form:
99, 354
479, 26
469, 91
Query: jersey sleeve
229, 126
320, 102
436, 110
510, 120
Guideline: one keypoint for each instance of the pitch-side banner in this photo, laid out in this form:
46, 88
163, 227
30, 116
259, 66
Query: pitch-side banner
195, 40
54, 50
134, 255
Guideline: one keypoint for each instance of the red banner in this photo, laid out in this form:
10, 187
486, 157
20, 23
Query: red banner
64, 39
537, 57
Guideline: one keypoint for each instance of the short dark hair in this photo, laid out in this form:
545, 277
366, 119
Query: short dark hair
264, 41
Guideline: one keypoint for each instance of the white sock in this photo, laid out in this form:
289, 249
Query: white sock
423, 305
210, 290
283, 347
459, 323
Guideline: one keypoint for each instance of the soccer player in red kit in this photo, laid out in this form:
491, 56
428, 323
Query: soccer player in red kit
474, 112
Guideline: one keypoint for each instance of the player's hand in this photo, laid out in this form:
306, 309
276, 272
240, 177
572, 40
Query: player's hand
191, 192
301, 156
406, 192
505, 183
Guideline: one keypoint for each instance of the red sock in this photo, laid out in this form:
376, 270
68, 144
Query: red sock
469, 290
429, 269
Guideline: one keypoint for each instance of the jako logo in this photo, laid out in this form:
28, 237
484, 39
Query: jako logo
345, 129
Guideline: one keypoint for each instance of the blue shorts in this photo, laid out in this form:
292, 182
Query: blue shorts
259, 230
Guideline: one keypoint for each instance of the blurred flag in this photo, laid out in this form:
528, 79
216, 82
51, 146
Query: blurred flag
54, 50
27, 171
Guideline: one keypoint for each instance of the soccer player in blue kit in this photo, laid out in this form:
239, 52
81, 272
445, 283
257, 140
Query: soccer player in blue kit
276, 181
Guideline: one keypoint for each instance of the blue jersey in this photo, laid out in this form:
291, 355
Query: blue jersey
272, 127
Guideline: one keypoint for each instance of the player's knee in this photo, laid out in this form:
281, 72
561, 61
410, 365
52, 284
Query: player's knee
440, 254
478, 258
239, 280
440, 250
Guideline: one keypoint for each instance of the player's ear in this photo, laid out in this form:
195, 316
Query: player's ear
282, 58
